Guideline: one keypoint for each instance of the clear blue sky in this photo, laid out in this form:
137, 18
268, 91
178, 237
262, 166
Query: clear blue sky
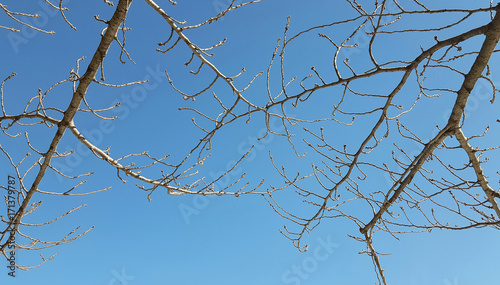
225, 240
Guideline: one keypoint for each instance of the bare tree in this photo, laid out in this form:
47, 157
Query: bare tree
444, 178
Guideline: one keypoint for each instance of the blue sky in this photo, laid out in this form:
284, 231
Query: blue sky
223, 240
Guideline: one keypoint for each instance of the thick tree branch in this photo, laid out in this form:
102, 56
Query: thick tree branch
492, 34
106, 40
490, 193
